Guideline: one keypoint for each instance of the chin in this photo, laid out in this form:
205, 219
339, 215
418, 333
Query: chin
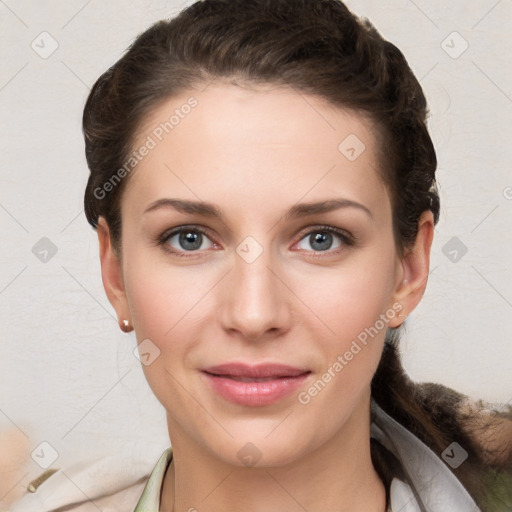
259, 449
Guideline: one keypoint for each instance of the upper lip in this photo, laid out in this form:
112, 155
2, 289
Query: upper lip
256, 371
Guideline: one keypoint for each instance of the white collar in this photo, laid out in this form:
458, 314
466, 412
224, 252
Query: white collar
432, 486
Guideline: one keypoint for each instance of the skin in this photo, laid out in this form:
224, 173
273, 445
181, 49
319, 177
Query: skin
255, 153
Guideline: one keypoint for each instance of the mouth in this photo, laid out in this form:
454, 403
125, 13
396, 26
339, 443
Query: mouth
255, 372
254, 385
249, 379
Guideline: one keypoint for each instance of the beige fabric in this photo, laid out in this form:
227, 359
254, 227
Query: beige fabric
124, 500
111, 483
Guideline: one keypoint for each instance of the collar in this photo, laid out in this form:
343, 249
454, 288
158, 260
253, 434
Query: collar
150, 498
431, 486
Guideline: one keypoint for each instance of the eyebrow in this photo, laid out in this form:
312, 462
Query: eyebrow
296, 211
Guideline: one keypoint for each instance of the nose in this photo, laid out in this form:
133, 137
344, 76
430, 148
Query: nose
254, 300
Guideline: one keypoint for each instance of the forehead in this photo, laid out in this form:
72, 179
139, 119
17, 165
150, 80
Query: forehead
266, 144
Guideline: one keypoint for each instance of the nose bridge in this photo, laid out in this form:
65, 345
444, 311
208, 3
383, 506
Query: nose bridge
254, 301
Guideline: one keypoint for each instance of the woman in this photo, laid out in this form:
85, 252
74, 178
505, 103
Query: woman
263, 188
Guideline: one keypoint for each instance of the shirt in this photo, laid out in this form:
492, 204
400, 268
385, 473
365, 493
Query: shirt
121, 484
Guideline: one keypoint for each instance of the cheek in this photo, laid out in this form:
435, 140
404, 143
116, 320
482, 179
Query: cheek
348, 299
349, 311
169, 303
162, 297
354, 307
351, 329
163, 302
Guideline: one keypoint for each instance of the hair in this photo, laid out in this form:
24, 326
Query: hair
316, 47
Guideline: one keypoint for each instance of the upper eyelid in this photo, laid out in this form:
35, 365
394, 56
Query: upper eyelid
346, 237
308, 230
178, 229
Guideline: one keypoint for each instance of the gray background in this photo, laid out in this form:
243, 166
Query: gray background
68, 376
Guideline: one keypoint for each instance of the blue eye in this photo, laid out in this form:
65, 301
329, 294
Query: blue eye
183, 240
322, 239
187, 240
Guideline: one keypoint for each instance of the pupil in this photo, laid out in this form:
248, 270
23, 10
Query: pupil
321, 241
190, 238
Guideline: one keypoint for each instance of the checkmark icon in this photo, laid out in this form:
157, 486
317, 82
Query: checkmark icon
44, 455
44, 45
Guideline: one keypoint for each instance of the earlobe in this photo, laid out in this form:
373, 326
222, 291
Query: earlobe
112, 274
415, 268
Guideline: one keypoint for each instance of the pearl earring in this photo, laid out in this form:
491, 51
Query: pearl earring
125, 326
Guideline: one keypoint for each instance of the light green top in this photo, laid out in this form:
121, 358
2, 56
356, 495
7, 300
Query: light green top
150, 498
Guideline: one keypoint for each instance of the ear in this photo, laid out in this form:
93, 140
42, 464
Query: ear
112, 273
414, 269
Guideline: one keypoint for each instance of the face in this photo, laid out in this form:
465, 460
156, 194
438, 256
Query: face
293, 262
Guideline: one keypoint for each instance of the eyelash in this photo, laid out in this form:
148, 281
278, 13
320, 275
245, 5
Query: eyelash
346, 238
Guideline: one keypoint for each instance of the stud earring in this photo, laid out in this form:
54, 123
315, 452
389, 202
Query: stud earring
125, 326
402, 318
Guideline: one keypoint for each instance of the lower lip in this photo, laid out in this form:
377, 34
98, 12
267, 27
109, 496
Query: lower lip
255, 393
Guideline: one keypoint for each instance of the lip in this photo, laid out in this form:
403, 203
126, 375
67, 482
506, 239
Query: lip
238, 382
257, 371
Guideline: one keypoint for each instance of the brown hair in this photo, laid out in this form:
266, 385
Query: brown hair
317, 47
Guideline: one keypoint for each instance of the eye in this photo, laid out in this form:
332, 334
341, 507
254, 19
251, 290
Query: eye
185, 239
325, 238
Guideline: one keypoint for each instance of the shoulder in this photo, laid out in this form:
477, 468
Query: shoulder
109, 484
490, 428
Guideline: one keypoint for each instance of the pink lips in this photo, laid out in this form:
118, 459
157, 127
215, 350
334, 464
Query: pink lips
254, 385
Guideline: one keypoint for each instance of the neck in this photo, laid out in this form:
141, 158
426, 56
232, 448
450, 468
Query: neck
339, 475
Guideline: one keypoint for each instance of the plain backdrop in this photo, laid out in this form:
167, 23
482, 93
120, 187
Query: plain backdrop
68, 375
